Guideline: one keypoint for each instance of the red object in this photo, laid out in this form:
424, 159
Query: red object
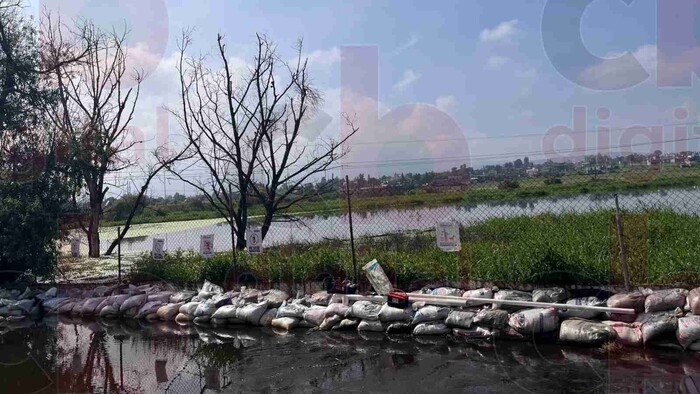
397, 299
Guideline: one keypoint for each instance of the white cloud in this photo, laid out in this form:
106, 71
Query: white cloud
446, 103
408, 78
412, 41
327, 57
496, 62
613, 74
503, 32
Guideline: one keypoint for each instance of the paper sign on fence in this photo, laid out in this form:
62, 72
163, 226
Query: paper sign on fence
255, 241
447, 234
75, 247
206, 245
158, 246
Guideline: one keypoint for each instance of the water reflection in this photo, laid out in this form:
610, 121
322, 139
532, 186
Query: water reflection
69, 355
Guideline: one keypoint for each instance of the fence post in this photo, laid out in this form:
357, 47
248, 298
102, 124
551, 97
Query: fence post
621, 241
352, 234
119, 257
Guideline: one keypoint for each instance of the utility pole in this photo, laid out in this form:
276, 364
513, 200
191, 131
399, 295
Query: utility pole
352, 234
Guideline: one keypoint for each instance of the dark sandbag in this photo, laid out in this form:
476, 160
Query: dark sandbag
585, 332
431, 328
460, 319
633, 300
552, 295
664, 300
491, 318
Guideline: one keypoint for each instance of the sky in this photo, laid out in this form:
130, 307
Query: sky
457, 82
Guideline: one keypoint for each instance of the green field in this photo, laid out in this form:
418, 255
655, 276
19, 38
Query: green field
662, 246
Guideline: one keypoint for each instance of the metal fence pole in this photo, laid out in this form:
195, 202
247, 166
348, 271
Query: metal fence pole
119, 257
352, 234
621, 240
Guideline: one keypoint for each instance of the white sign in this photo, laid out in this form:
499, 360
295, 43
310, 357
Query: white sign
447, 234
206, 245
158, 246
75, 247
255, 241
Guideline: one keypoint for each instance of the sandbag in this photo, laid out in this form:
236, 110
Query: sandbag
399, 328
619, 317
475, 332
337, 309
183, 318
657, 324
291, 310
688, 330
275, 298
131, 312
320, 298
227, 298
371, 325
235, 320
252, 313
132, 302
492, 318
380, 282
89, 307
109, 311
586, 332
513, 295
431, 313
478, 293
266, 318
205, 309
431, 328
447, 291
663, 300
67, 307
347, 324
628, 334
204, 319
460, 319
168, 312
330, 322
583, 314
189, 308
694, 301
218, 322
315, 315
534, 321
285, 323
250, 295
182, 296
553, 295
391, 314
365, 310
208, 290
225, 312
633, 300
162, 296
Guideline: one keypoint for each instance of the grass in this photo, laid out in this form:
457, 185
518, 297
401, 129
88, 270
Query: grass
551, 248
633, 179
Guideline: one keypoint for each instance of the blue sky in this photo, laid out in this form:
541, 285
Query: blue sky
481, 62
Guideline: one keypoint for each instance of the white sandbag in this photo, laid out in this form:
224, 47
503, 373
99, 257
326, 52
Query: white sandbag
553, 295
431, 313
225, 312
295, 310
628, 334
26, 304
513, 295
315, 315
189, 308
380, 282
109, 311
330, 322
657, 324
182, 296
694, 301
431, 328
320, 298
183, 318
163, 296
90, 307
475, 332
534, 321
50, 293
447, 291
688, 330
365, 310
285, 323
633, 300
28, 293
478, 293
67, 307
76, 311
347, 324
252, 313
460, 319
266, 318
168, 312
275, 298
391, 314
371, 325
133, 302
336, 309
205, 308
586, 332
583, 314
208, 290
663, 300
491, 318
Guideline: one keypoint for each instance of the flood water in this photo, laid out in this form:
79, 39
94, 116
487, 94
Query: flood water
67, 355
316, 227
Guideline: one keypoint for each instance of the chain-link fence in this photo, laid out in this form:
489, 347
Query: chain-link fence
517, 222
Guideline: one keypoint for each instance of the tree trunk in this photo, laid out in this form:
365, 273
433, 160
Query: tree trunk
93, 234
242, 222
269, 214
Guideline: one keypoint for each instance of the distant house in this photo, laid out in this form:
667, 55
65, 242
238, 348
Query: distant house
532, 171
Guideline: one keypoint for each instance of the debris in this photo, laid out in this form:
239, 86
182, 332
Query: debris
380, 282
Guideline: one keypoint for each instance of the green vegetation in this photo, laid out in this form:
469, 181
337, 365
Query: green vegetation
566, 248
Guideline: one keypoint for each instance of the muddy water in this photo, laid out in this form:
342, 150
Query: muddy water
108, 356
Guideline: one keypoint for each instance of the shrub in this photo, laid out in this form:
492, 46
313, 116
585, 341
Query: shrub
508, 184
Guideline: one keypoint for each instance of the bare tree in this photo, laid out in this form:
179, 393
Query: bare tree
94, 110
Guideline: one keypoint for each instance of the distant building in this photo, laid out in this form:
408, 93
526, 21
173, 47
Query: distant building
532, 171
